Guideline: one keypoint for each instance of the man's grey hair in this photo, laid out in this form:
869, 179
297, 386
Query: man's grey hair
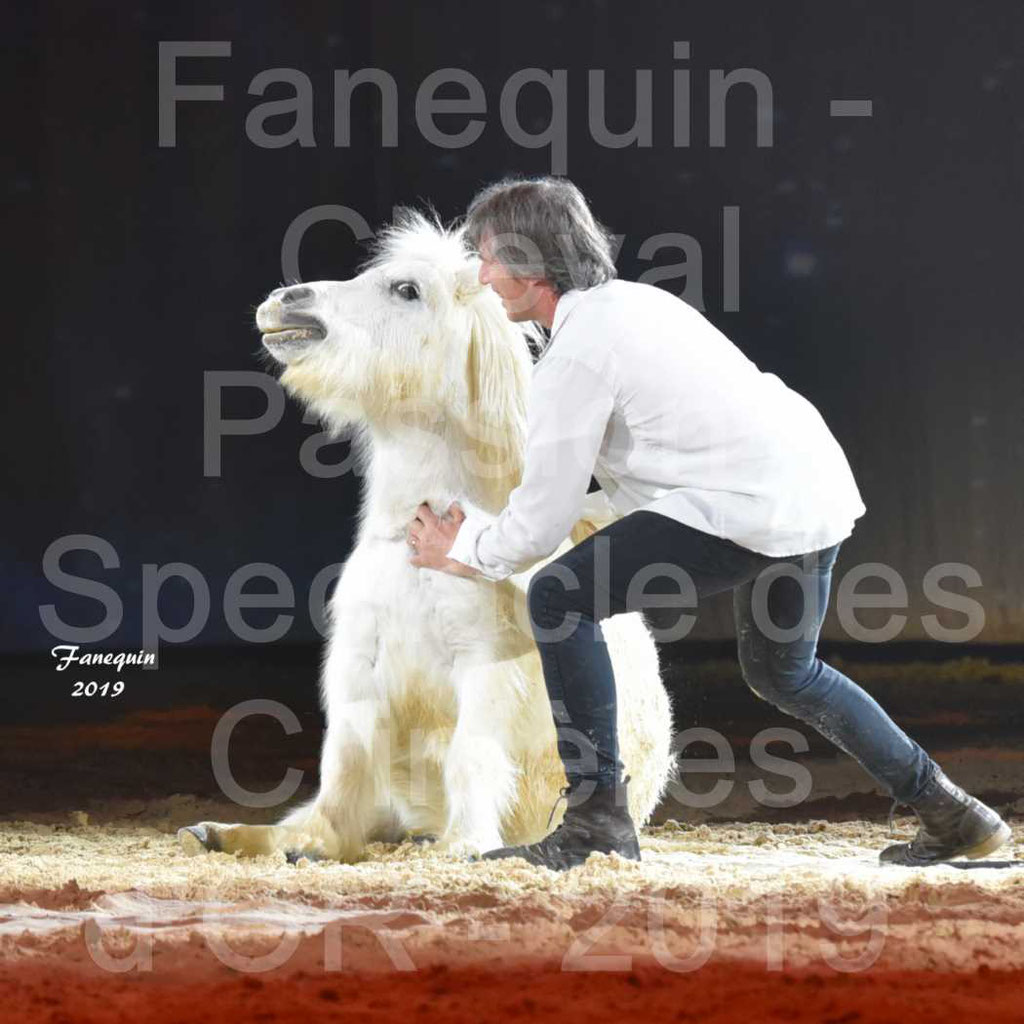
542, 227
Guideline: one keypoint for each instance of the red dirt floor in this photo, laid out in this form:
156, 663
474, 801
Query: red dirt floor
717, 992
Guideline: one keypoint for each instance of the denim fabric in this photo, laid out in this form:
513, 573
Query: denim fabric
777, 634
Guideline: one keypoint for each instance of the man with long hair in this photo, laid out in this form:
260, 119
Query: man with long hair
723, 479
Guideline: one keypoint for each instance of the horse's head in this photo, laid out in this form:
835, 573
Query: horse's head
414, 339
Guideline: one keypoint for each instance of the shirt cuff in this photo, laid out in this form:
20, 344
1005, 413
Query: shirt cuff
464, 547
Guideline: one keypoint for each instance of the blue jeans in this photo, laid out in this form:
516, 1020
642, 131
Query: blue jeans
778, 604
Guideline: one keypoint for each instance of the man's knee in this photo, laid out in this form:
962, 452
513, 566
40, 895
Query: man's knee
780, 678
553, 593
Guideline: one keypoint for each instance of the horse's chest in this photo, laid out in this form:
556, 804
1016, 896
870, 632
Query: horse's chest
430, 615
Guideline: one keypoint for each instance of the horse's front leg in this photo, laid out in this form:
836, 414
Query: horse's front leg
248, 840
353, 794
479, 774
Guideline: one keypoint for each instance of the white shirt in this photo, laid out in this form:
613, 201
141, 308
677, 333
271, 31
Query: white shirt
640, 390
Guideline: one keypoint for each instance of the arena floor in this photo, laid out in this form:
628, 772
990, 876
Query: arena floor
111, 920
737, 912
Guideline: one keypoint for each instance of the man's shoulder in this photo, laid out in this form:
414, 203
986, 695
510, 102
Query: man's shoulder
615, 324
629, 297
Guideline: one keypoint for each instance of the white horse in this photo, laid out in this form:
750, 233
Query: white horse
438, 720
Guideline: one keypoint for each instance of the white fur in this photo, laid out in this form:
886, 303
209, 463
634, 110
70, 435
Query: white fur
437, 716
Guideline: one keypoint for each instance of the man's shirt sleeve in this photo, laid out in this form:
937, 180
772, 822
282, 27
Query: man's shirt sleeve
568, 410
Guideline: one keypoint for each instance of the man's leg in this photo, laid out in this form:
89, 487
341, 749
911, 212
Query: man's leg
778, 619
570, 596
567, 600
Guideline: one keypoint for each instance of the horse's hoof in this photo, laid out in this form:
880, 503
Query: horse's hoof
294, 856
197, 839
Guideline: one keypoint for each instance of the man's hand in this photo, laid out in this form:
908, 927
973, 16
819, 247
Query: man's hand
431, 539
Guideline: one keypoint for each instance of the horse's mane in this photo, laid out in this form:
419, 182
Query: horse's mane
492, 430
418, 235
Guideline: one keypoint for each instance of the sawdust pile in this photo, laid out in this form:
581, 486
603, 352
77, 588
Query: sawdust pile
783, 895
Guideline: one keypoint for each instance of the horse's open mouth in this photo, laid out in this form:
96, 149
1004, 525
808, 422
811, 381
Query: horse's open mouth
302, 329
288, 335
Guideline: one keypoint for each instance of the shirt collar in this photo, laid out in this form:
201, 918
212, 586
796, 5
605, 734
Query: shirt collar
566, 304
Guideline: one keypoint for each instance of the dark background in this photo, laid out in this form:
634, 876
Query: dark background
879, 265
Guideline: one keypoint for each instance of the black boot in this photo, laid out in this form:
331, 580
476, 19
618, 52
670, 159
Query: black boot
953, 824
600, 823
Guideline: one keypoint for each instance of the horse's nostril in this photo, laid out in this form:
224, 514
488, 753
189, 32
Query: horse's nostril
296, 294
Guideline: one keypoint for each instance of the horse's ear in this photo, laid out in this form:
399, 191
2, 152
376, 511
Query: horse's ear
467, 283
497, 375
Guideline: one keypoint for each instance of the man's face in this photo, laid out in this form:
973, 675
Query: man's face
521, 296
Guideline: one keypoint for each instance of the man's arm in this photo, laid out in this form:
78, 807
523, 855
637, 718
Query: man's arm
568, 411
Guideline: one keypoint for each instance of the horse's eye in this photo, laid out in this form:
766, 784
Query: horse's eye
405, 290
